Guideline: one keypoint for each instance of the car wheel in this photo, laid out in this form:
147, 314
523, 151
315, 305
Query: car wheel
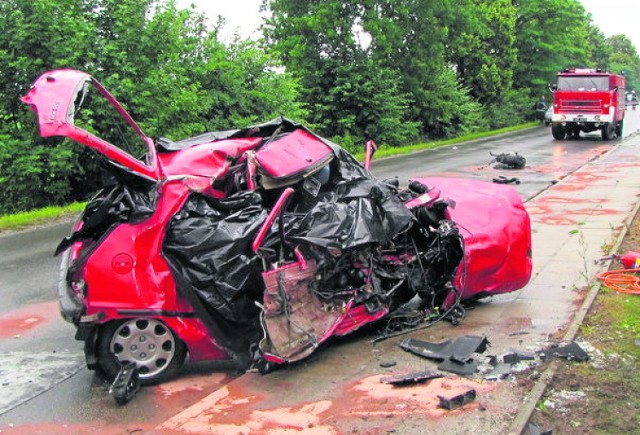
147, 342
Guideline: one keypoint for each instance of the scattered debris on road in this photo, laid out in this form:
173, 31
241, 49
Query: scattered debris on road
570, 352
454, 355
457, 401
507, 161
501, 179
411, 378
126, 384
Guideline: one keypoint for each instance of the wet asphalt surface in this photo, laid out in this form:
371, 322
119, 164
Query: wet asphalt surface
46, 387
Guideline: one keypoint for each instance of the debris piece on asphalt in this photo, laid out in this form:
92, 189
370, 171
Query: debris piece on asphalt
454, 355
570, 352
387, 364
459, 349
411, 378
509, 161
500, 371
501, 179
459, 368
126, 384
457, 401
515, 357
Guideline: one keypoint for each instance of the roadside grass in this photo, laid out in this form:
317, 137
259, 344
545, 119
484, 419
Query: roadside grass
24, 219
34, 217
618, 317
610, 380
396, 151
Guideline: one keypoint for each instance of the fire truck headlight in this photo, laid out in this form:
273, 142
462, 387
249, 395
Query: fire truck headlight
596, 118
563, 118
606, 106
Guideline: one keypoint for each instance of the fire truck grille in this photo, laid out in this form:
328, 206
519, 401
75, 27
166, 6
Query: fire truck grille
581, 106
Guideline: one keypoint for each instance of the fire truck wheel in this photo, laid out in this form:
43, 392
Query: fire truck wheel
619, 128
147, 342
608, 131
558, 131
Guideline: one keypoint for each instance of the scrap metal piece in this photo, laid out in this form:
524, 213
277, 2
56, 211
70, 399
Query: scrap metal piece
126, 384
457, 401
410, 378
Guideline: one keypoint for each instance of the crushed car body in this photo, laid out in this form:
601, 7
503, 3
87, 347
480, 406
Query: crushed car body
258, 244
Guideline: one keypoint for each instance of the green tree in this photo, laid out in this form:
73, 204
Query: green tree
550, 35
163, 64
482, 47
347, 93
624, 58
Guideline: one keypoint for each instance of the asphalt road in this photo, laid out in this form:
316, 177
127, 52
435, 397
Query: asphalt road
45, 384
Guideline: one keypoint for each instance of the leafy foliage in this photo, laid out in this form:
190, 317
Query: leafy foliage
161, 63
396, 72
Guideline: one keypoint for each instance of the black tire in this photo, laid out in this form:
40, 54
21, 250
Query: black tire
558, 131
148, 342
608, 131
619, 127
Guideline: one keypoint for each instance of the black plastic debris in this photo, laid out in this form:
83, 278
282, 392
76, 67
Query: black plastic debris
516, 356
501, 179
454, 355
126, 384
459, 349
508, 161
500, 370
570, 352
457, 401
387, 364
534, 429
411, 378
466, 368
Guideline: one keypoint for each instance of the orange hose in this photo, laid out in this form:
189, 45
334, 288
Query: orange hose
621, 280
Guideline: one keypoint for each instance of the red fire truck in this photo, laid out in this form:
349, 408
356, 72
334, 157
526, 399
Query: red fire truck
588, 100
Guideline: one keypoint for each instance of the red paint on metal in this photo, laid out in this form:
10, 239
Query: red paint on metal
18, 322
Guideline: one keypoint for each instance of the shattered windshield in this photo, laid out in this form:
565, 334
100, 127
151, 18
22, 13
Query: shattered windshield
583, 83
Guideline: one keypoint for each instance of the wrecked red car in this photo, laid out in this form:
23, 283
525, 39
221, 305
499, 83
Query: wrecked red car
256, 245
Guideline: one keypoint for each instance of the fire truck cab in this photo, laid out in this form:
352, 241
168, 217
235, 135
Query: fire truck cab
588, 100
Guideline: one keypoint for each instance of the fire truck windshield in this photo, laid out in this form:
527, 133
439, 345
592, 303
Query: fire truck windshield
583, 83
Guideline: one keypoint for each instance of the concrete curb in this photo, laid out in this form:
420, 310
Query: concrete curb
519, 424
